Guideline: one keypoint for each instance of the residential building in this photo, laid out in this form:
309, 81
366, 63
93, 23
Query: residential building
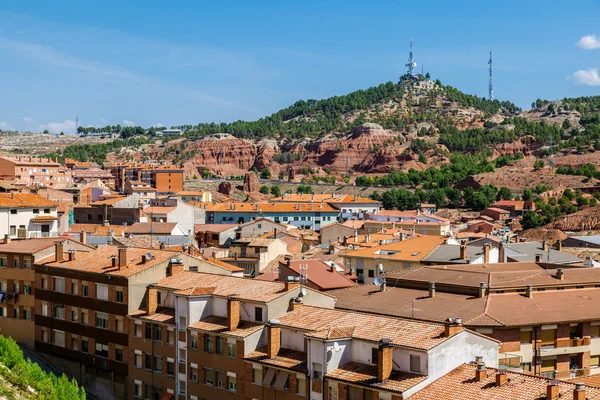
260, 226
164, 178
543, 314
192, 336
17, 282
82, 300
117, 210
27, 215
191, 196
215, 234
417, 223
75, 164
536, 251
515, 207
335, 232
462, 254
316, 274
350, 207
142, 190
590, 242
301, 215
33, 171
173, 210
497, 214
370, 262
254, 254
89, 175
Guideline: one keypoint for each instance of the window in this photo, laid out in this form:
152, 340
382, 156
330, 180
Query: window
26, 289
208, 343
16, 263
137, 391
148, 361
3, 262
525, 337
231, 349
182, 387
257, 376
27, 315
317, 371
46, 211
182, 355
36, 210
415, 363
16, 288
258, 314
208, 376
74, 342
138, 330
119, 324
374, 355
84, 317
158, 297
158, 333
231, 383
15, 313
89, 217
101, 320
219, 379
27, 263
170, 367
74, 315
371, 273
44, 334
148, 331
182, 323
84, 289
194, 374
219, 349
13, 211
138, 360
119, 296
194, 340
59, 311
158, 364
118, 354
171, 337
44, 309
59, 285
595, 331
58, 338
102, 349
84, 345
101, 291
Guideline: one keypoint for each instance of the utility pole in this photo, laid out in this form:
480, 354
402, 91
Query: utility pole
490, 88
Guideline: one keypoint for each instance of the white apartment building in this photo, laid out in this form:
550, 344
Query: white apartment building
26, 215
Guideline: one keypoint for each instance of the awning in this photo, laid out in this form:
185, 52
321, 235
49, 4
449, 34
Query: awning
281, 380
42, 219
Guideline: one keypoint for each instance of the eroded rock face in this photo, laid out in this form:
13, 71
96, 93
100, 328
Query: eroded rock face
251, 184
224, 154
225, 188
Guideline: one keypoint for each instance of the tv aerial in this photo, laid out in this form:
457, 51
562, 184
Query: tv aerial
303, 292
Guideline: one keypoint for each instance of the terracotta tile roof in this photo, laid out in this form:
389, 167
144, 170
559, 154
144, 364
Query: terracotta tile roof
32, 246
243, 288
163, 315
224, 265
43, 218
407, 214
402, 332
99, 261
414, 249
25, 200
460, 384
28, 160
589, 380
366, 375
189, 193
64, 206
498, 210
286, 358
219, 325
327, 198
98, 229
156, 228
319, 274
159, 210
196, 291
110, 201
217, 228
356, 224
509, 203
144, 241
275, 207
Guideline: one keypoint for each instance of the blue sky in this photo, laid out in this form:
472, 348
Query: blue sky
184, 62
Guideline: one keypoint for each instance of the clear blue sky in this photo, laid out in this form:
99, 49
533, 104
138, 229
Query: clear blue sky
183, 62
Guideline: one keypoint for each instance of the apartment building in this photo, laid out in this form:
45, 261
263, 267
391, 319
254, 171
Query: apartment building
17, 282
144, 192
82, 300
421, 224
33, 171
163, 178
90, 175
350, 207
118, 210
319, 275
27, 215
544, 314
191, 338
253, 255
215, 234
174, 210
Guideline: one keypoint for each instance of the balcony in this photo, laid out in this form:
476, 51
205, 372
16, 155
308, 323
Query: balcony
510, 362
565, 346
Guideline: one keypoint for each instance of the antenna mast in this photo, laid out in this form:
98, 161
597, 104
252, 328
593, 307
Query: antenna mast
76, 124
411, 61
490, 88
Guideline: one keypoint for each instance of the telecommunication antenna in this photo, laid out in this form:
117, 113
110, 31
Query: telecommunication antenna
411, 61
303, 273
490, 88
76, 124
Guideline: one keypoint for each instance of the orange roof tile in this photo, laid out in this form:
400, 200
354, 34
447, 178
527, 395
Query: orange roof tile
25, 200
158, 210
414, 249
274, 207
285, 358
220, 325
162, 315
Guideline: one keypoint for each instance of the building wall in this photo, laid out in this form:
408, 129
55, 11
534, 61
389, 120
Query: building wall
21, 219
97, 215
168, 181
335, 233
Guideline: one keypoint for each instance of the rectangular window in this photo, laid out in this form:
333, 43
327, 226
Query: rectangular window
46, 211
415, 363
208, 343
231, 349
74, 342
3, 262
317, 371
119, 296
27, 315
44, 309
148, 332
101, 349
74, 288
170, 368
26, 289
16, 288
74, 315
258, 314
59, 311
208, 376
36, 210
525, 337
84, 317
182, 323
371, 273
257, 376
595, 331
13, 211
158, 333
15, 313
194, 340
16, 263
148, 361
84, 345
84, 290
138, 360
171, 337
119, 324
101, 291
219, 379
182, 387
231, 384
182, 356
194, 374
58, 338
101, 320
138, 330
44, 334
219, 346
137, 391
27, 263
374, 355
119, 354
158, 364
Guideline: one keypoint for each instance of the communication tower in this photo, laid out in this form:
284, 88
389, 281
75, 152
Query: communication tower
411, 61
490, 88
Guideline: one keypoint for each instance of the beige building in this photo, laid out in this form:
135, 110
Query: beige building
33, 171
254, 254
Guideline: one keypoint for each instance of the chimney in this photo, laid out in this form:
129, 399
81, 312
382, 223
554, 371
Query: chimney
152, 302
501, 252
431, 289
291, 283
122, 257
83, 237
383, 285
516, 238
530, 291
6, 239
553, 390
558, 245
544, 245
114, 260
538, 257
579, 392
59, 251
480, 372
162, 245
71, 255
384, 359
452, 326
345, 242
191, 250
482, 289
233, 314
486, 254
501, 378
463, 251
296, 303
560, 275
331, 248
368, 238
274, 338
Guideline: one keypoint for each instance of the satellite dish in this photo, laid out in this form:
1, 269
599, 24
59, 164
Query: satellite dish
378, 281
303, 292
380, 267
148, 256
336, 347
131, 236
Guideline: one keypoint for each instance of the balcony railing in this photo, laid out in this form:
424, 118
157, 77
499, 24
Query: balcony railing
38, 234
510, 361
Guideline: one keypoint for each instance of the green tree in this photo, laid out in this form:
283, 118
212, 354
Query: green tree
264, 189
504, 193
527, 194
281, 175
422, 158
265, 173
206, 174
531, 220
275, 191
568, 193
304, 189
46, 131
538, 164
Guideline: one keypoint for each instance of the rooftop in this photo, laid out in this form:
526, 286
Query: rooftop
274, 207
219, 325
25, 200
415, 249
31, 246
217, 228
527, 251
156, 228
319, 273
159, 210
450, 253
327, 198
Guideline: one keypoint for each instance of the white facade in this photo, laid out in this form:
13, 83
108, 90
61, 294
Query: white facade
356, 211
17, 222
